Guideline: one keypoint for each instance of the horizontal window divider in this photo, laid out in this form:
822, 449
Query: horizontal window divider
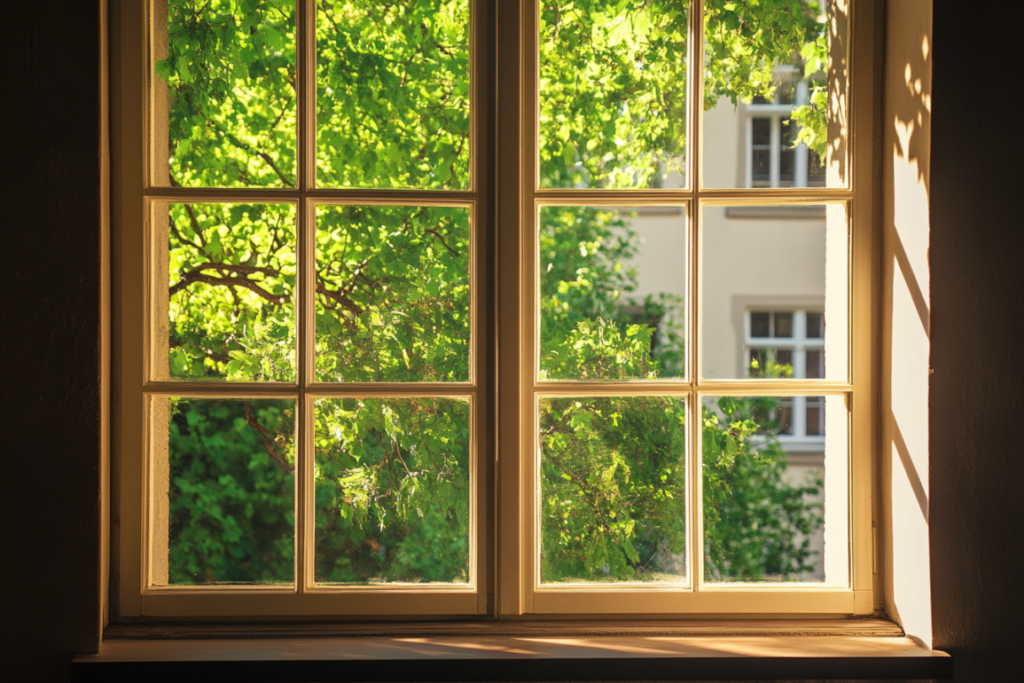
617, 588
326, 196
222, 389
757, 387
327, 589
196, 195
402, 197
390, 389
322, 603
235, 589
774, 196
637, 388
248, 389
612, 197
769, 587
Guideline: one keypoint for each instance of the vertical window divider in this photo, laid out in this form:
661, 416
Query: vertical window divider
695, 107
305, 71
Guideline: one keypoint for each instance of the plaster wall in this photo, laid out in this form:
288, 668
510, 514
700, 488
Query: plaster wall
50, 230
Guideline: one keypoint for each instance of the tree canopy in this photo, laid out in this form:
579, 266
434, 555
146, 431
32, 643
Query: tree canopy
393, 290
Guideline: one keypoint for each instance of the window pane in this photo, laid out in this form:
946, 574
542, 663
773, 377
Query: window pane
815, 363
613, 285
815, 325
393, 94
783, 325
765, 482
393, 299
613, 94
229, 311
223, 473
785, 61
759, 262
613, 489
760, 324
224, 93
392, 490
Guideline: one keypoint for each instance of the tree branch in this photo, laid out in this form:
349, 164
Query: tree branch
268, 440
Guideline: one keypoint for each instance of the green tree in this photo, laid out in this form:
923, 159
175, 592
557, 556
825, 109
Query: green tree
392, 292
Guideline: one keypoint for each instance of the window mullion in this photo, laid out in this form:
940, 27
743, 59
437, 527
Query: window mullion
694, 480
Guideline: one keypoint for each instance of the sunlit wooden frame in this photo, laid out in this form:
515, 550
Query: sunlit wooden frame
503, 387
137, 108
520, 590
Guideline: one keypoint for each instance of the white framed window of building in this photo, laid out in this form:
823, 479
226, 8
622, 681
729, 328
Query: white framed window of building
774, 156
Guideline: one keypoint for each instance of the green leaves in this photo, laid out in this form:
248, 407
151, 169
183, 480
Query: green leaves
392, 490
393, 94
232, 279
232, 491
612, 93
393, 294
230, 81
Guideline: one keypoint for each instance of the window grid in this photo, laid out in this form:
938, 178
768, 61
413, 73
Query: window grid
513, 592
306, 196
696, 596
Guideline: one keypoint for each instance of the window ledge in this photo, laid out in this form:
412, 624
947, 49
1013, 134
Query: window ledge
512, 651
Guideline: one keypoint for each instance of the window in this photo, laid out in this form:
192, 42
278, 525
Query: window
389, 348
775, 157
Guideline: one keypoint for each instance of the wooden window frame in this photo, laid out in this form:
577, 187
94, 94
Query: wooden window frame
505, 200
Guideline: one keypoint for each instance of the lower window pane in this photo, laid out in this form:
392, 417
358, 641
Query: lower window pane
392, 490
613, 489
767, 467
223, 498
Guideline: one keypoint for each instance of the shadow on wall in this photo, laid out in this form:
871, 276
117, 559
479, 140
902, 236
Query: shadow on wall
906, 324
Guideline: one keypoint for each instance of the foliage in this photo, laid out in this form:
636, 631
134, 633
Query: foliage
392, 290
393, 294
232, 491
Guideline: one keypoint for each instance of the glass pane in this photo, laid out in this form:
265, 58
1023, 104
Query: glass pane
774, 94
223, 475
229, 312
392, 82
613, 285
393, 299
613, 94
765, 490
613, 489
775, 273
224, 93
392, 490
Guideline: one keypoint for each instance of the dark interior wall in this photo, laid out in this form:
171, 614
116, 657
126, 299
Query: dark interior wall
49, 222
977, 326
49, 241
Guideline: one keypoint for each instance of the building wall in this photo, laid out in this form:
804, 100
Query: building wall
50, 226
51, 221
